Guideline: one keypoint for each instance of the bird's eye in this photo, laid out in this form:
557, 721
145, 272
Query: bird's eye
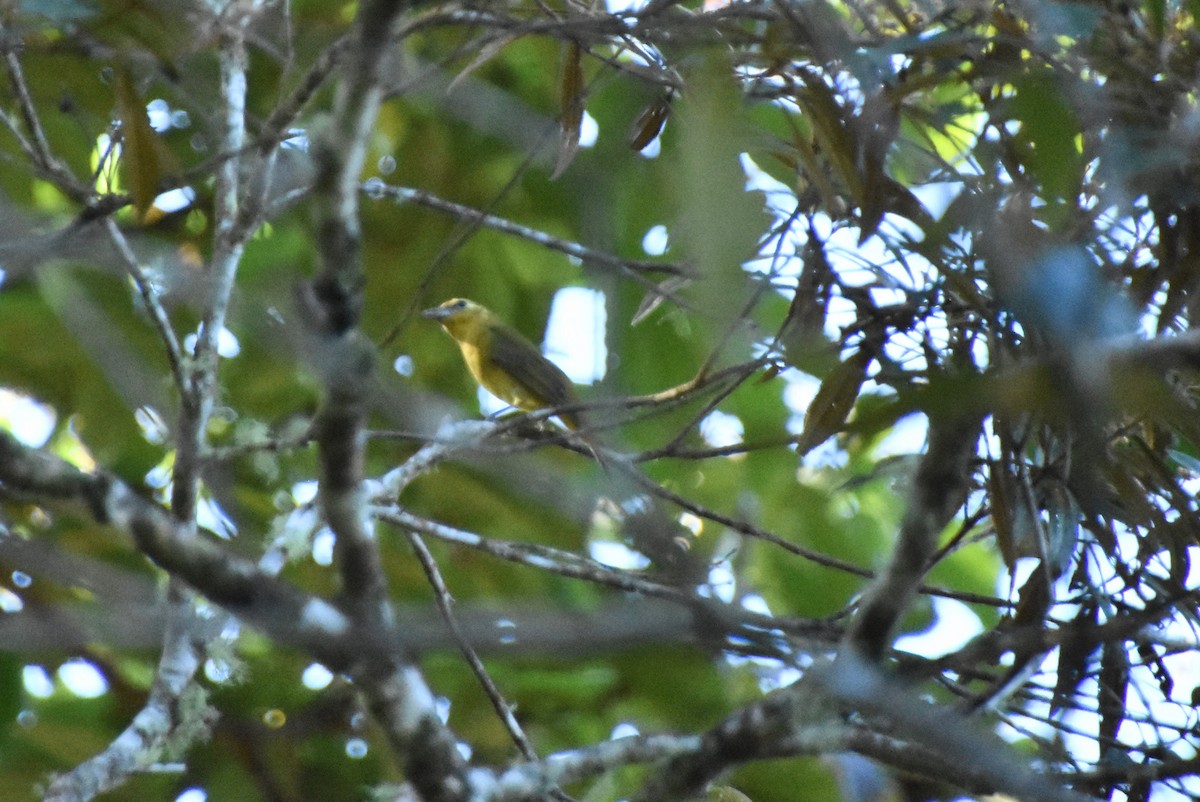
459, 304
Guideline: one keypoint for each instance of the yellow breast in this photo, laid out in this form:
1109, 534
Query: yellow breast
496, 381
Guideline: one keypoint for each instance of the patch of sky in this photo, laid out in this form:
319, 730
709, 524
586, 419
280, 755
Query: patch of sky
322, 547
954, 624
655, 242
83, 679
589, 131
720, 429
575, 334
37, 681
617, 555
227, 343
29, 420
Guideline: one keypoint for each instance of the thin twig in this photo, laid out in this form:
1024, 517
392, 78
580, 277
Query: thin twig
275, 129
149, 294
820, 558
736, 621
470, 224
39, 148
445, 603
582, 252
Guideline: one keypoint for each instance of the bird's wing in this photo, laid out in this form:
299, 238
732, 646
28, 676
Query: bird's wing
525, 363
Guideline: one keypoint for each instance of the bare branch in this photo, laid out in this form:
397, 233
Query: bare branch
939, 488
795, 720
37, 146
979, 761
445, 603
398, 698
176, 712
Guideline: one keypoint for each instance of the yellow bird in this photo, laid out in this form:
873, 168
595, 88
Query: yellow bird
506, 364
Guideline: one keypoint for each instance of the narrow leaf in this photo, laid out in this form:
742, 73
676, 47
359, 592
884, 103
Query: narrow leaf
656, 295
650, 122
829, 409
1073, 657
1002, 498
486, 53
803, 331
144, 159
1114, 682
571, 99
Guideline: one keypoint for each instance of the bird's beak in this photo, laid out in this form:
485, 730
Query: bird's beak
436, 313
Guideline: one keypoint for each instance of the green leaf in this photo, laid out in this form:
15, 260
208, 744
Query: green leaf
718, 220
1052, 131
828, 411
571, 94
145, 160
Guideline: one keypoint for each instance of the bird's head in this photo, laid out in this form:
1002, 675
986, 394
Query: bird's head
454, 308
464, 320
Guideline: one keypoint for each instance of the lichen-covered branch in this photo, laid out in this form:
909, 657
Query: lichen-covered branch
395, 690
